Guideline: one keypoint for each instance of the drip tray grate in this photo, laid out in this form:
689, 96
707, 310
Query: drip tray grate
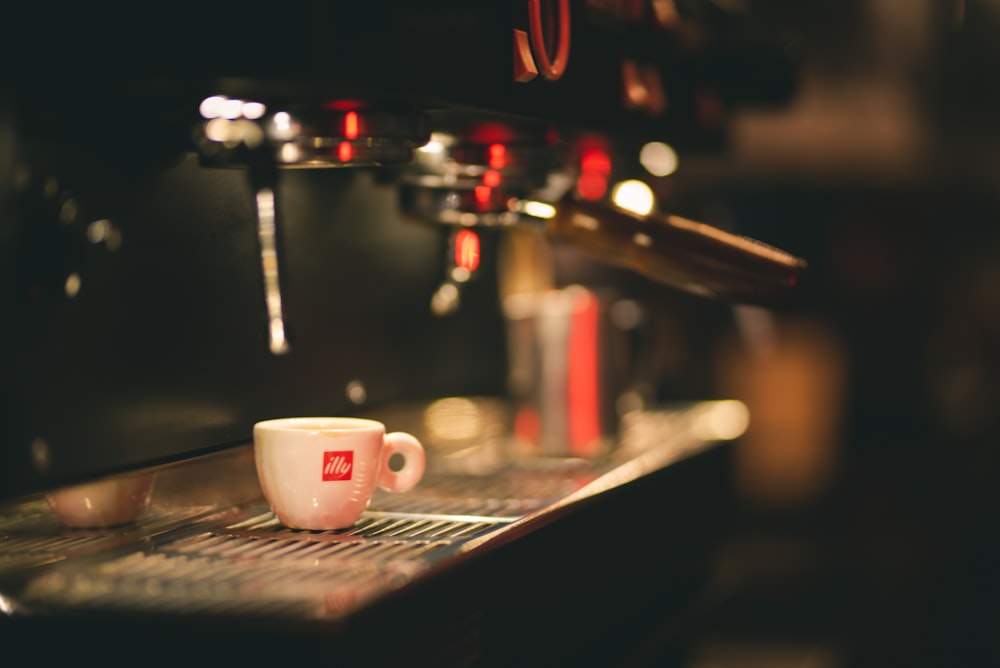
374, 524
255, 566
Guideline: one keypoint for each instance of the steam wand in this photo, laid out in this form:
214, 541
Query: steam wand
263, 180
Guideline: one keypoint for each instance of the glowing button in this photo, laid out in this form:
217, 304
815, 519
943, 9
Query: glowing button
345, 151
498, 156
351, 125
467, 250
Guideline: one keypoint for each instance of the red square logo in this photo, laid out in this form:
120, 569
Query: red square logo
338, 465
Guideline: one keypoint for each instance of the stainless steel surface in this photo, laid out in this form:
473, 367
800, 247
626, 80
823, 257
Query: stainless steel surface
488, 173
684, 254
213, 548
266, 238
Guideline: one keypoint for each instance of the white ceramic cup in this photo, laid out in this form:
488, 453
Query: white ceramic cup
102, 503
319, 473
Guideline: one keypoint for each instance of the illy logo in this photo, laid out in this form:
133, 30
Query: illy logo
338, 465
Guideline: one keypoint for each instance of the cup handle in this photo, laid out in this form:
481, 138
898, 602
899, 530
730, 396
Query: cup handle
407, 445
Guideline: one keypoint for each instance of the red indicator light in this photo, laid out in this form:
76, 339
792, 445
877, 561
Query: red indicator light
596, 161
345, 151
483, 195
467, 250
351, 125
591, 185
491, 178
595, 168
490, 132
342, 105
498, 156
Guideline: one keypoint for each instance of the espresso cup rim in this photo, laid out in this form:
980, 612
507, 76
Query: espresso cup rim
319, 423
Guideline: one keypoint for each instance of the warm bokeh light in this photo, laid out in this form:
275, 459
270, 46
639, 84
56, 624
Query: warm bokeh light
234, 132
222, 107
253, 110
98, 230
217, 129
659, 159
453, 419
289, 152
535, 208
436, 144
211, 107
72, 285
642, 239
634, 195
356, 392
793, 384
282, 126
721, 420
232, 109
445, 300
626, 314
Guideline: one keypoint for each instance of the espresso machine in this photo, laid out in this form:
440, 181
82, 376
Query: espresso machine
219, 214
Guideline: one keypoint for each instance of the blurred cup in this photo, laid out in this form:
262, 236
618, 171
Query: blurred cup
319, 473
103, 503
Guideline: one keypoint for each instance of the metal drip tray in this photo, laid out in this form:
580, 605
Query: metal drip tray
243, 561
254, 567
234, 560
